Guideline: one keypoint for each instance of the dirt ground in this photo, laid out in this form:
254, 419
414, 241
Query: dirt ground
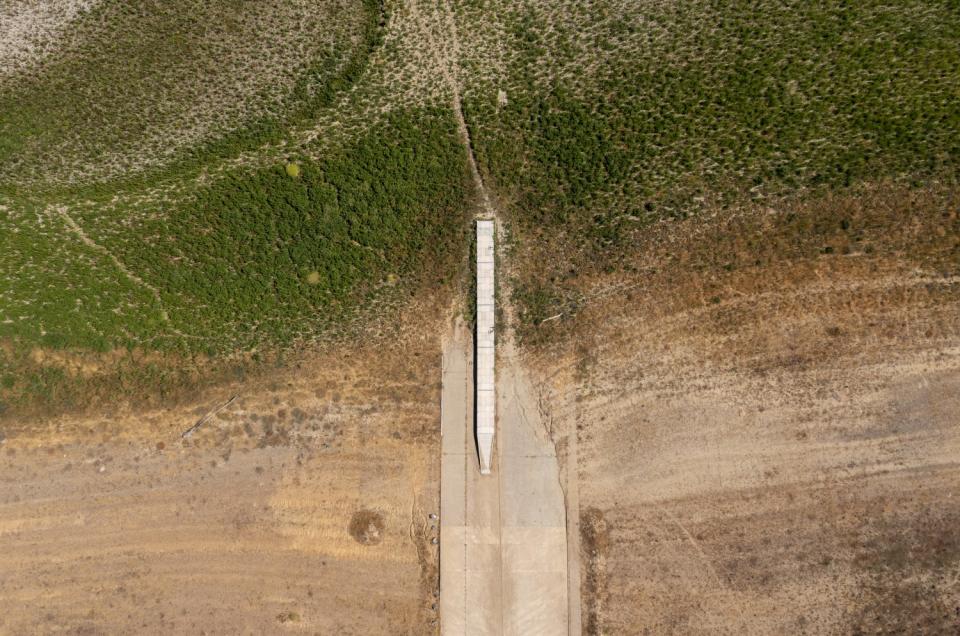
763, 420
302, 506
768, 441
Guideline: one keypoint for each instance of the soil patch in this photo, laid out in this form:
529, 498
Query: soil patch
594, 544
366, 527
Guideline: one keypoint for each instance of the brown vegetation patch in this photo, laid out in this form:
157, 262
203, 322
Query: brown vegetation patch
769, 425
754, 291
367, 527
909, 565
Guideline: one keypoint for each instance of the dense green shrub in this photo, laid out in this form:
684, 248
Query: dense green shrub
243, 256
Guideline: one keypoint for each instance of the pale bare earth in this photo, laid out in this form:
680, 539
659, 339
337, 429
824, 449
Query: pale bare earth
31, 29
784, 459
301, 507
532, 507
503, 557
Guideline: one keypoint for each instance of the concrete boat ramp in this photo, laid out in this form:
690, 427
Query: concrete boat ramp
503, 545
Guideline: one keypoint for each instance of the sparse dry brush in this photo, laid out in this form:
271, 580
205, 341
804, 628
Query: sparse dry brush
134, 86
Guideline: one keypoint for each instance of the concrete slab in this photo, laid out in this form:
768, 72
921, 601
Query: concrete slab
535, 605
535, 549
503, 545
533, 531
470, 561
453, 507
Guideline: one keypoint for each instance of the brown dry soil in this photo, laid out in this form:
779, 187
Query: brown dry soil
302, 506
768, 423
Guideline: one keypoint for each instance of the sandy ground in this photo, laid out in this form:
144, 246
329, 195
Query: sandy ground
772, 449
503, 563
303, 506
31, 29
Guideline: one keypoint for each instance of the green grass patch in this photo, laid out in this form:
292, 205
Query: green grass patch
255, 259
264, 249
190, 257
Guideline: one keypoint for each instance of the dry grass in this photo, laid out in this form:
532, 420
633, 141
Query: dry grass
247, 520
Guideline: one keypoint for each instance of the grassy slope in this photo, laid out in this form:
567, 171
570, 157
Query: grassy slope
233, 260
611, 116
218, 249
629, 113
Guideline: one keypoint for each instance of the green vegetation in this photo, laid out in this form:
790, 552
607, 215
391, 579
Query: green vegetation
233, 176
256, 258
261, 256
159, 257
139, 88
690, 105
